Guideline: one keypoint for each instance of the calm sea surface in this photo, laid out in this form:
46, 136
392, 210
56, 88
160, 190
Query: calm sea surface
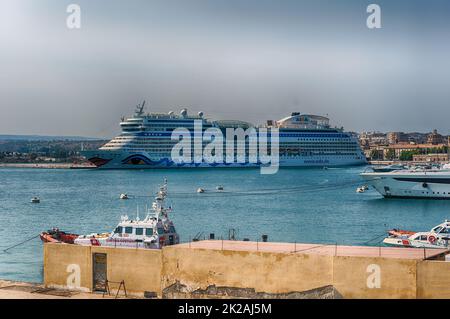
295, 205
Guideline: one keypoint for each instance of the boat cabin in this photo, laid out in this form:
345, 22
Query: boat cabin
141, 229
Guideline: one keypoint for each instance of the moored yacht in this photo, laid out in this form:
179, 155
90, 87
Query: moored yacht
419, 183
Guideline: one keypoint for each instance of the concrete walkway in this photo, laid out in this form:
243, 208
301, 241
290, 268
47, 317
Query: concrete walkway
23, 290
328, 250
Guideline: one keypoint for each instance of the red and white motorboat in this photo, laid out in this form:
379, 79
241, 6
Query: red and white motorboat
437, 237
57, 236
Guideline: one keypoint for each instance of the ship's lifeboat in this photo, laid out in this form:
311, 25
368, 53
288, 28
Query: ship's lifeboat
57, 236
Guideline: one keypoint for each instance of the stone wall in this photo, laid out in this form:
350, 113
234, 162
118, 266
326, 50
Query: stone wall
182, 272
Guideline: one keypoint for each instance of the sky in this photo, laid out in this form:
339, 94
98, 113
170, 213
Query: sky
251, 60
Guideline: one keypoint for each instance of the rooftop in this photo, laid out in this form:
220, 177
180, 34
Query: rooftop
413, 146
328, 250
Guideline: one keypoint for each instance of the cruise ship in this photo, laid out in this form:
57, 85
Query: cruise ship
146, 142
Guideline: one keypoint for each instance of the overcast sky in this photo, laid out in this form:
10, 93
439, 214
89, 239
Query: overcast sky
233, 59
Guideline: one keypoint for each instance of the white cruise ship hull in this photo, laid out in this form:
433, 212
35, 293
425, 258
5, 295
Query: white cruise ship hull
410, 184
142, 160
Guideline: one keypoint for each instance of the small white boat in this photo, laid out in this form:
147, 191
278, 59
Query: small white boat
437, 237
200, 190
124, 196
360, 189
35, 200
219, 188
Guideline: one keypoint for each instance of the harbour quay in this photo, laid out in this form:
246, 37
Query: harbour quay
245, 269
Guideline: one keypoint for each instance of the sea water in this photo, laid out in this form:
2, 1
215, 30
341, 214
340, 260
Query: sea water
311, 205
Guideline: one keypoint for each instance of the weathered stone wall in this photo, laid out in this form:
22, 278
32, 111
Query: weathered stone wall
374, 277
262, 271
140, 269
433, 279
182, 272
68, 266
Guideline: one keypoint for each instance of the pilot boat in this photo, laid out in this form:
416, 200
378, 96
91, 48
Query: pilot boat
155, 231
437, 237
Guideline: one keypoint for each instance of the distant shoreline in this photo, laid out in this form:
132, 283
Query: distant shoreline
47, 165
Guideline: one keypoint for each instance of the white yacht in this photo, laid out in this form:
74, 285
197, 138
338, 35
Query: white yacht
419, 183
304, 140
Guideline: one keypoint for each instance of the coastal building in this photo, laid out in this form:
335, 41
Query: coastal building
396, 137
417, 138
435, 138
406, 152
401, 148
415, 146
368, 139
433, 158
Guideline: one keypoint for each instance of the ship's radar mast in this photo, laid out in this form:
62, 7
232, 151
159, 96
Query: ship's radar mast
140, 109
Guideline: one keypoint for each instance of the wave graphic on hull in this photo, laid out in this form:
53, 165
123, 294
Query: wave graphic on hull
139, 159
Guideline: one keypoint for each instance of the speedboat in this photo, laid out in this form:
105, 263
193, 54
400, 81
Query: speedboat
35, 200
124, 196
219, 188
437, 237
153, 232
200, 190
360, 189
419, 183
